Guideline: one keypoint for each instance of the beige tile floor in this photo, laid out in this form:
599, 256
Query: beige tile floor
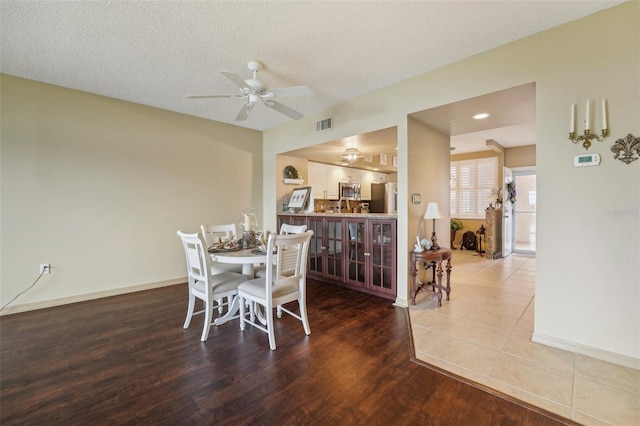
483, 333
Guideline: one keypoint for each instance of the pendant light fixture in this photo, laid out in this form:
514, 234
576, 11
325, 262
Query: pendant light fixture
351, 155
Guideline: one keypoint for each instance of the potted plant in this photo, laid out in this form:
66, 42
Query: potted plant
456, 225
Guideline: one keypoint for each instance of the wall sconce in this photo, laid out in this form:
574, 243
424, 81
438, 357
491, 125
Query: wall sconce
433, 213
586, 138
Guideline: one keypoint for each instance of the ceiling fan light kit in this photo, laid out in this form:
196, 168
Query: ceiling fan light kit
254, 91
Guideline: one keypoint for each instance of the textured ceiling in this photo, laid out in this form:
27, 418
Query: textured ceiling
158, 52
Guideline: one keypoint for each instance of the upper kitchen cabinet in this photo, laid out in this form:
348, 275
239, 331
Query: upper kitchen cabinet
323, 179
366, 179
341, 174
318, 179
347, 174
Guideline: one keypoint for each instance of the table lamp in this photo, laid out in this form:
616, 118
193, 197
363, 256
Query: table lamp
433, 213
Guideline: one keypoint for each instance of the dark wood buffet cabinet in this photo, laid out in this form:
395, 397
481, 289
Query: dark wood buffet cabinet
352, 250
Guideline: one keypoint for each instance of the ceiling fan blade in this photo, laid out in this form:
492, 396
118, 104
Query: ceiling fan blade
290, 92
215, 96
237, 80
283, 109
245, 111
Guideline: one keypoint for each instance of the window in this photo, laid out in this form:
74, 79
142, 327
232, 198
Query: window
471, 183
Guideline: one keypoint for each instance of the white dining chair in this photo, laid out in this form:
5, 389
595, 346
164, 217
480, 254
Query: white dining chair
212, 234
285, 283
208, 287
285, 228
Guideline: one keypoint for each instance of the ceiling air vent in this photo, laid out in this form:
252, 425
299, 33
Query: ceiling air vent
324, 125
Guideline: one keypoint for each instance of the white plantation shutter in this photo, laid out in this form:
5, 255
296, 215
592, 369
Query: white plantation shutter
470, 186
453, 200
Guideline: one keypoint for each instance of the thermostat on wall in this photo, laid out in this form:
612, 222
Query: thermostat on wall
586, 160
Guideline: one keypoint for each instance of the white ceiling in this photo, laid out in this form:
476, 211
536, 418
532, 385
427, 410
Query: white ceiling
512, 120
157, 52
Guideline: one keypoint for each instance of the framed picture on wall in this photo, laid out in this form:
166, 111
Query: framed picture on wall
394, 161
383, 159
368, 158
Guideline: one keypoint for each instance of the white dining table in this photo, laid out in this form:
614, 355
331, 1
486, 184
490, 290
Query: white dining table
247, 258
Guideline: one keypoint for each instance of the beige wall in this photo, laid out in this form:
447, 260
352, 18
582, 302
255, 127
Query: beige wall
522, 156
98, 188
473, 155
429, 159
284, 190
596, 57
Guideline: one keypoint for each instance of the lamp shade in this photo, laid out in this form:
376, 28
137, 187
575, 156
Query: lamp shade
432, 211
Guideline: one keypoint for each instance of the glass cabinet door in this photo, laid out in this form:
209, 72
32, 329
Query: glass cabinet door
383, 256
333, 243
353, 251
357, 254
316, 245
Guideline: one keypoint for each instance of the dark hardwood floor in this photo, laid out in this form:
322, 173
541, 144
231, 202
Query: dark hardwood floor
127, 360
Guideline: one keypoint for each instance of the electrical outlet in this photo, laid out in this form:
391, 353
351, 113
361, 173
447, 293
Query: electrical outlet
45, 267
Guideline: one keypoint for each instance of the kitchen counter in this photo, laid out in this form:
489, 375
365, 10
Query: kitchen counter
335, 214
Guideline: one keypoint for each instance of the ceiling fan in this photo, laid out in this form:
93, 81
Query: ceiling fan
254, 90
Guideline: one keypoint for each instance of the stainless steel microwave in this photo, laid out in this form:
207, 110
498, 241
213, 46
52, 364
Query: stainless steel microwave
349, 191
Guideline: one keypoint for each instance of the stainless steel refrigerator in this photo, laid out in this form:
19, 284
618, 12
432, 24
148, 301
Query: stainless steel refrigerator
384, 198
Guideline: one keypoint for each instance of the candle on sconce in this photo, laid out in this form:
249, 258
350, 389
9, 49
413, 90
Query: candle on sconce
587, 124
572, 123
589, 135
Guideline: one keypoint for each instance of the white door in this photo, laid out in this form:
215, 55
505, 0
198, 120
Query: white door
507, 214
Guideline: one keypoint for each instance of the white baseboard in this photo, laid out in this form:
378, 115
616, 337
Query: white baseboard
600, 354
403, 303
89, 296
